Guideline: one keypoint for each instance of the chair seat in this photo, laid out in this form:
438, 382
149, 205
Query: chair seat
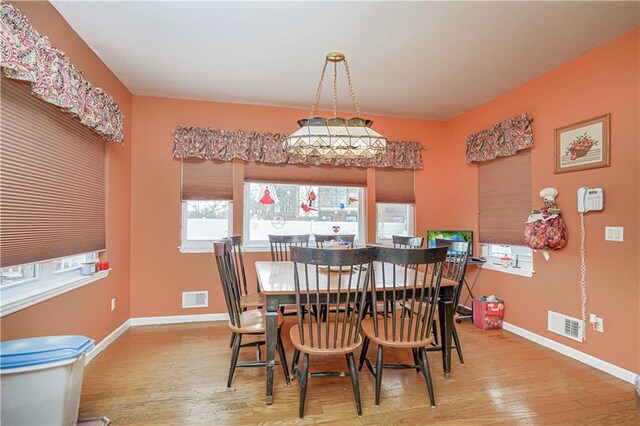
253, 321
254, 300
368, 330
323, 349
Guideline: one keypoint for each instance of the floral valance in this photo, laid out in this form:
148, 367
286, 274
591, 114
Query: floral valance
28, 56
225, 145
500, 140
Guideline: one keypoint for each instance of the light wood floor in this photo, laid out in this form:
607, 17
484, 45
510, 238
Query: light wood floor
176, 374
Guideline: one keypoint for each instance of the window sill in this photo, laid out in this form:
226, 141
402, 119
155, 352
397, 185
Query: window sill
22, 301
514, 271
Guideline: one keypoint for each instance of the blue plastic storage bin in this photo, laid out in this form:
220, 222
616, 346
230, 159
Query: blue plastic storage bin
42, 379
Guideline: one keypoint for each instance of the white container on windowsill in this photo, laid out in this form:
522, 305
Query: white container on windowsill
88, 268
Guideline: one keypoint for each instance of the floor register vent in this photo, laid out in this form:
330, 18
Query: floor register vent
195, 299
566, 326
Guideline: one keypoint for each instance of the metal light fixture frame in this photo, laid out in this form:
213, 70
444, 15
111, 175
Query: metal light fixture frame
335, 137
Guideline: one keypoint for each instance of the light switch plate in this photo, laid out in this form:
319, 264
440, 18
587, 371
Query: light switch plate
614, 233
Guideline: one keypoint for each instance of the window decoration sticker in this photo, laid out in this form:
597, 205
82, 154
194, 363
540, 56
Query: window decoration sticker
278, 221
267, 198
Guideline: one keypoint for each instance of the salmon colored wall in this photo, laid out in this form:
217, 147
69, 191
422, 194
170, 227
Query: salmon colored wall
86, 310
160, 273
605, 80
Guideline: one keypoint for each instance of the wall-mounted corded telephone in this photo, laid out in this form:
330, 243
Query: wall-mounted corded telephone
589, 199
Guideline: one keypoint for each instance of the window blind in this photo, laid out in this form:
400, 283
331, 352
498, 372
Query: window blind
52, 187
504, 191
395, 186
303, 174
207, 180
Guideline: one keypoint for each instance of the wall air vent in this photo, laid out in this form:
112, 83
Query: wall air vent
195, 299
566, 326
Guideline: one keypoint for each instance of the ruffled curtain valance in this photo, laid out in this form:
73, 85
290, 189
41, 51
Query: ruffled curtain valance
225, 145
501, 140
28, 56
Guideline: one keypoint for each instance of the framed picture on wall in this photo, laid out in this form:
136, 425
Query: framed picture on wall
583, 145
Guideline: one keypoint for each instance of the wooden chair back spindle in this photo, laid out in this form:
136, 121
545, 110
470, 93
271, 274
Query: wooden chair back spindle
331, 281
415, 278
280, 245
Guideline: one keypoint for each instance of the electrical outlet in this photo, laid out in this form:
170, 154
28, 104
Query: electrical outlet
614, 233
113, 304
596, 323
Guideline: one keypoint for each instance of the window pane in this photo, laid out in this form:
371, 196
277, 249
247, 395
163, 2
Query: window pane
16, 274
301, 209
72, 262
207, 220
394, 219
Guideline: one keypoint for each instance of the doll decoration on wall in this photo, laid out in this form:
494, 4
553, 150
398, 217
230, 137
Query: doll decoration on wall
545, 228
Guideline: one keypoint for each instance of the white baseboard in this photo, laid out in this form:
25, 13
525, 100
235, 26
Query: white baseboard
177, 319
614, 370
107, 341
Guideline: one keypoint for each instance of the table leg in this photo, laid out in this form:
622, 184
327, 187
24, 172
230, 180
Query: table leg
445, 310
271, 337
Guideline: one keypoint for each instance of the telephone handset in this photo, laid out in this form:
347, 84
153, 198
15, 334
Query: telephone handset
590, 199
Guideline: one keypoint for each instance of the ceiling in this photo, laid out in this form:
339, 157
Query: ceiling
430, 60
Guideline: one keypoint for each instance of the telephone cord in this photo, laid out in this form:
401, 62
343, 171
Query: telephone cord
583, 279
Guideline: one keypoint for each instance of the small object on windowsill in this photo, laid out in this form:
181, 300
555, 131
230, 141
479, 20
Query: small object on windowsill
506, 261
88, 268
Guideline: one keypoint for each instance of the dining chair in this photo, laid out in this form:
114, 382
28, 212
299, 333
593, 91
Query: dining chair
321, 239
415, 281
242, 322
454, 269
280, 245
329, 280
401, 241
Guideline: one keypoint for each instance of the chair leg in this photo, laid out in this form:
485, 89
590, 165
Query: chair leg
304, 376
233, 336
283, 360
456, 340
434, 327
294, 362
416, 360
234, 358
379, 366
427, 376
354, 381
363, 352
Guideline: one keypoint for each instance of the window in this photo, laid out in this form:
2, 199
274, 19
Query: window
301, 209
394, 219
204, 221
25, 285
504, 189
512, 259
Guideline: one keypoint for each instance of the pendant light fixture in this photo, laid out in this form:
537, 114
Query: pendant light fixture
335, 137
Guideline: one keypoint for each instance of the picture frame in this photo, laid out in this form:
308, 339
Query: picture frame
583, 145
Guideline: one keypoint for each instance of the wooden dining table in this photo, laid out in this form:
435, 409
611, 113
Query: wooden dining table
276, 280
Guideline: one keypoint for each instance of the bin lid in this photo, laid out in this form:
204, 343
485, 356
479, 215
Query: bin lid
42, 350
